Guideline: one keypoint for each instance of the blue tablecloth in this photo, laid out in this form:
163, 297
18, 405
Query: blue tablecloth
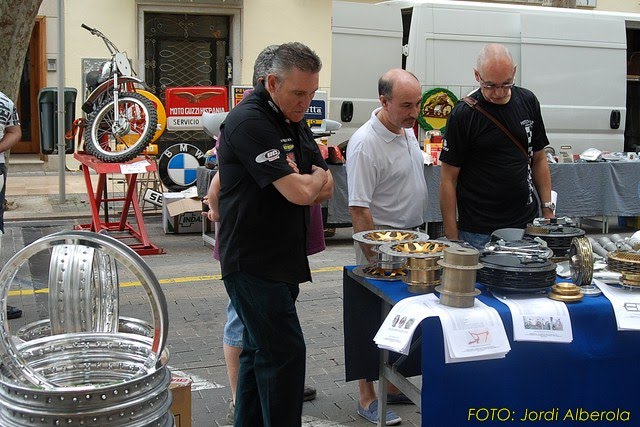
598, 372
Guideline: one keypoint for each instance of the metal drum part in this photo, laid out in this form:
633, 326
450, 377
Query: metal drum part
581, 265
87, 398
373, 272
14, 361
597, 247
97, 368
459, 277
378, 237
152, 411
565, 292
422, 255
557, 232
388, 262
126, 325
386, 266
628, 265
83, 290
517, 266
82, 360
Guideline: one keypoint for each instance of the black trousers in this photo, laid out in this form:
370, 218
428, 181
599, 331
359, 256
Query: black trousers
272, 362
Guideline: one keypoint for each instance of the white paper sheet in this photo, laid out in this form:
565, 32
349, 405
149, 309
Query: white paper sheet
626, 305
475, 333
131, 168
397, 329
538, 318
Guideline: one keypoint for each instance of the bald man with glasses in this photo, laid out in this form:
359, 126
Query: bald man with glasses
487, 179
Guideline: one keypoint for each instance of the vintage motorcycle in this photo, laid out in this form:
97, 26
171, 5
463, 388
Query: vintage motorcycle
120, 121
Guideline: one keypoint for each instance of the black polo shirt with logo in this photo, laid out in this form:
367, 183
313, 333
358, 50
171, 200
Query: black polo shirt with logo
261, 232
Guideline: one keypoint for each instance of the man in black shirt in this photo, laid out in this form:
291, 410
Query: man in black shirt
484, 174
264, 210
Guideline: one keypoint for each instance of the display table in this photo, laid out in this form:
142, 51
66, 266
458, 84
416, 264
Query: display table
595, 374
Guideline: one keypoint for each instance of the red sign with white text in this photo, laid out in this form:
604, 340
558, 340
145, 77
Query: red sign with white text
185, 105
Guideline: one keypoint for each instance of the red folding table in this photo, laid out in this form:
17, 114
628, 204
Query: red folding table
135, 237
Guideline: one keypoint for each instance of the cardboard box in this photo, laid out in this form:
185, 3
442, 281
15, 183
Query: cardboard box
181, 406
181, 213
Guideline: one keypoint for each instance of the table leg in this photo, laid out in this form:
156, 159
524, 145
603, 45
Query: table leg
383, 382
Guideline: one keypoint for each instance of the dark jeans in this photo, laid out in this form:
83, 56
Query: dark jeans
477, 240
272, 362
3, 183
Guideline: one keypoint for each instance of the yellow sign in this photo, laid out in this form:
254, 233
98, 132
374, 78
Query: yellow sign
435, 108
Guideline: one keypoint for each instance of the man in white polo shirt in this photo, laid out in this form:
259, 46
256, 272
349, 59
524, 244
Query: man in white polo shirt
387, 189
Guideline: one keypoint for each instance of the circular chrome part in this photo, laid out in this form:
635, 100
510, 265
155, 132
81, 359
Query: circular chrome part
126, 325
378, 237
420, 248
581, 261
83, 290
15, 362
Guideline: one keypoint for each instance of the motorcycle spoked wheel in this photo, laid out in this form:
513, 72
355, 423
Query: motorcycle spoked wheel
140, 122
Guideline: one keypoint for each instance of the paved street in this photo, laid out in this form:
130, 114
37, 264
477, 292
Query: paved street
197, 300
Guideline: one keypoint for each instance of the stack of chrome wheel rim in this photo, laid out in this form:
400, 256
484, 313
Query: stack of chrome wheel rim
85, 366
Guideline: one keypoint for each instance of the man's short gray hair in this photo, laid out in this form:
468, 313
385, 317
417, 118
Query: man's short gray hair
492, 51
294, 55
263, 63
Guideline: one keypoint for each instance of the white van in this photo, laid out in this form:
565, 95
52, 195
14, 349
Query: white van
583, 65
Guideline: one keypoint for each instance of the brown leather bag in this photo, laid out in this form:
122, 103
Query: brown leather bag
474, 105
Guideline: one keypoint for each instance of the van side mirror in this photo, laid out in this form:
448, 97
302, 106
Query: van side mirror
346, 111
614, 119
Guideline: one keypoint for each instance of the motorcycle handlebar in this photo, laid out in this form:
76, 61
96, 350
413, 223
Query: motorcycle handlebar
112, 47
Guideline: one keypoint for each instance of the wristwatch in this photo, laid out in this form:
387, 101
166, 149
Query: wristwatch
549, 205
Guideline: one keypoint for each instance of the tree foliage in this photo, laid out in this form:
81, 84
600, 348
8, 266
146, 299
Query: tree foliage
16, 23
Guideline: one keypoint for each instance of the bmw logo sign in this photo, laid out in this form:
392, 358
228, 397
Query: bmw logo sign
178, 165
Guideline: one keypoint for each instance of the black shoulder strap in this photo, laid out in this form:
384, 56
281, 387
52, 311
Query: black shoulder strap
474, 105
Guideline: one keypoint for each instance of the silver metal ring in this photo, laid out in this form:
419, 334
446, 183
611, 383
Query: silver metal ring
13, 360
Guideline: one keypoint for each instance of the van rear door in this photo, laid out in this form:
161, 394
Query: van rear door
367, 41
576, 65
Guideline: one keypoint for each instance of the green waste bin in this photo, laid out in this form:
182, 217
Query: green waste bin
48, 109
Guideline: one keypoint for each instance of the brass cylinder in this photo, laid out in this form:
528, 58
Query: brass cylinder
423, 274
459, 277
422, 262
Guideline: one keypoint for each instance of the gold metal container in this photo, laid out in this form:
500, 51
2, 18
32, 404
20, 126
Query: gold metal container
422, 255
566, 292
459, 277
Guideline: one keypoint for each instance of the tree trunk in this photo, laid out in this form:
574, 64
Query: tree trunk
16, 23
560, 3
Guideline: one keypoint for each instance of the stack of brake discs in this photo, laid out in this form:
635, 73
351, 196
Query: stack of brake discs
421, 258
386, 266
557, 232
85, 365
517, 266
581, 262
626, 263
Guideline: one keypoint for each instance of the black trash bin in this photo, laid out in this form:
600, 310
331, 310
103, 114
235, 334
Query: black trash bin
48, 108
